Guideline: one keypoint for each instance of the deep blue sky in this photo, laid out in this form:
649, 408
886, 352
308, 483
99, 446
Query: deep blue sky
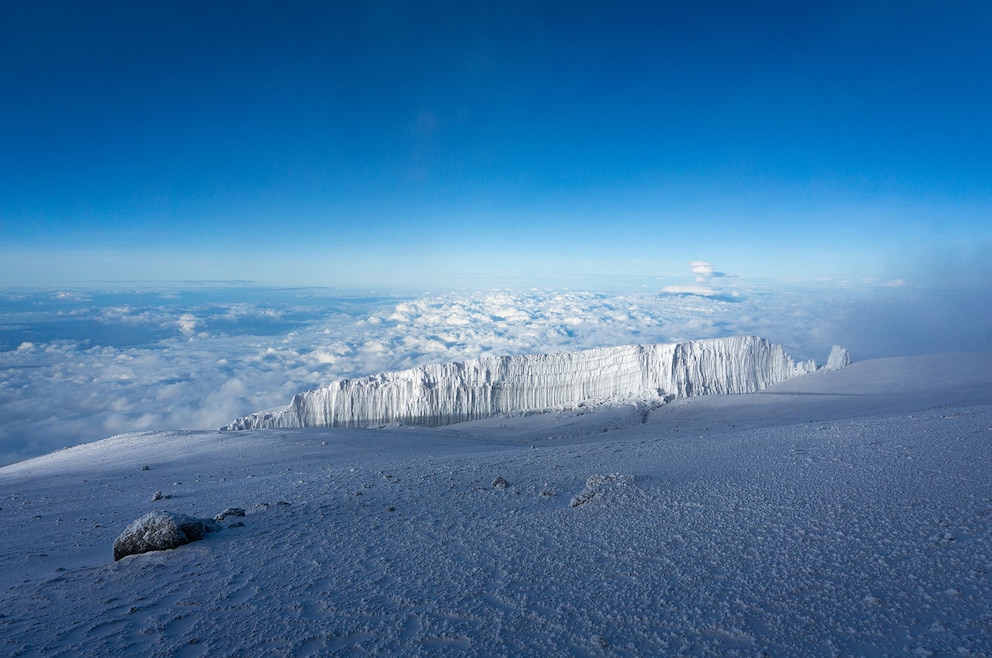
354, 143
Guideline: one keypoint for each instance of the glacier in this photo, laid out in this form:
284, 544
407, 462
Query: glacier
443, 394
839, 358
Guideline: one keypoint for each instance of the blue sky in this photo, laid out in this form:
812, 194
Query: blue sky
386, 143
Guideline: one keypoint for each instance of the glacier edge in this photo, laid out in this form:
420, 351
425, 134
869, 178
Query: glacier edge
442, 394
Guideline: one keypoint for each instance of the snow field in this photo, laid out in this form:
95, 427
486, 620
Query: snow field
813, 528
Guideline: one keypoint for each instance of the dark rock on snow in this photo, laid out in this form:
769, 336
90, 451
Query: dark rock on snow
160, 531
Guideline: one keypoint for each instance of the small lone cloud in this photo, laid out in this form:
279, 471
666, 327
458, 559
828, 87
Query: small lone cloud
705, 273
701, 267
896, 283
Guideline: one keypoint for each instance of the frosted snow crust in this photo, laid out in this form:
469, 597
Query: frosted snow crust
442, 394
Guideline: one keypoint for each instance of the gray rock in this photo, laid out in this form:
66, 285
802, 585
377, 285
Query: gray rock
230, 511
160, 531
500, 483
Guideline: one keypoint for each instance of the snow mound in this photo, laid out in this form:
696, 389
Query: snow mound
442, 394
839, 358
160, 531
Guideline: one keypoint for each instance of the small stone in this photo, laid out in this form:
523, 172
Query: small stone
230, 511
500, 483
146, 468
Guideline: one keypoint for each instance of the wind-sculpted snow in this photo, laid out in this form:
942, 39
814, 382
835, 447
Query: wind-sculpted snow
441, 394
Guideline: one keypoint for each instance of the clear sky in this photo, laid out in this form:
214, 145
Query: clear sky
354, 143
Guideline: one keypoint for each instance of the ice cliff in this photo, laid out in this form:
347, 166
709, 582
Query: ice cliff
441, 394
839, 358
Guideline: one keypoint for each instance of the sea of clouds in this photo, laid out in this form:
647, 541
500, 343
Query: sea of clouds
77, 366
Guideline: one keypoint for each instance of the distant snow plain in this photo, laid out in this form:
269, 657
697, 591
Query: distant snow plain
80, 365
843, 513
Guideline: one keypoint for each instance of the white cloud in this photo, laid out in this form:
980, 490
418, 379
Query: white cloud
187, 324
703, 286
701, 267
705, 271
690, 289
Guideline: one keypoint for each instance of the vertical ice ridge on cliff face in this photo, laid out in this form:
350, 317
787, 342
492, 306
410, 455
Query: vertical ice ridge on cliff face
441, 394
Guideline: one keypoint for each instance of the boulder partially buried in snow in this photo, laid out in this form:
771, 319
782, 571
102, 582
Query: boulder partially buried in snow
160, 531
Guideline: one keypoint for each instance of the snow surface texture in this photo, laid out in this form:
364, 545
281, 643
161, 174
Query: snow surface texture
442, 394
847, 513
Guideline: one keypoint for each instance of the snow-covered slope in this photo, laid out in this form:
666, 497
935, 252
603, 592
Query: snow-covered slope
441, 394
847, 513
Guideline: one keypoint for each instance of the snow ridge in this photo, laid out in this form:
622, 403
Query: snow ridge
442, 394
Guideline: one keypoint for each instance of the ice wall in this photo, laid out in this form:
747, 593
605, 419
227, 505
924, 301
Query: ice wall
441, 394
839, 358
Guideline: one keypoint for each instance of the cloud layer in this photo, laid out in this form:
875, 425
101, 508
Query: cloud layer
78, 367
